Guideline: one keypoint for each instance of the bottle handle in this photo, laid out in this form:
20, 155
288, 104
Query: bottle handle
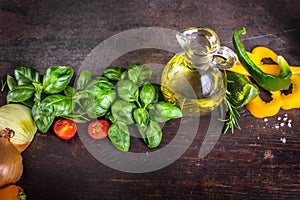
224, 58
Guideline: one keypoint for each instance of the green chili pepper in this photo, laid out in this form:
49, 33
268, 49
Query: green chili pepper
267, 81
239, 89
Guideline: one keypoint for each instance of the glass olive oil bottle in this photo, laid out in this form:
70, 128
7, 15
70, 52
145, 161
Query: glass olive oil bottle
192, 80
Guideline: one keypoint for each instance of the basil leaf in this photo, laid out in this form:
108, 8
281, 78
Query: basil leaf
139, 74
88, 107
20, 93
43, 116
127, 90
56, 79
26, 75
114, 73
103, 102
104, 83
152, 134
122, 111
81, 95
163, 111
92, 84
11, 82
119, 136
61, 104
84, 78
141, 116
148, 94
96, 86
69, 91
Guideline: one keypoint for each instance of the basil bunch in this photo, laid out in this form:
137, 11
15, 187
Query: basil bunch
138, 102
93, 96
125, 97
41, 93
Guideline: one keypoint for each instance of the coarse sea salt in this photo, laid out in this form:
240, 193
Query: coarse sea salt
283, 140
278, 118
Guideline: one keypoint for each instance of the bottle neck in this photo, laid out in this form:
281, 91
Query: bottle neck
200, 62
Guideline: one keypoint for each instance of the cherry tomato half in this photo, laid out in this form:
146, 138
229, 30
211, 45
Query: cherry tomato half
65, 128
98, 129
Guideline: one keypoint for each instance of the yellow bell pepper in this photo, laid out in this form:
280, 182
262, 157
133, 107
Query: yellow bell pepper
257, 55
260, 109
292, 100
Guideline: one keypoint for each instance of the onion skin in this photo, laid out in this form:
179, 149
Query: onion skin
11, 166
21, 147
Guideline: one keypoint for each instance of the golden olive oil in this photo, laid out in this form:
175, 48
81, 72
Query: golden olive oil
196, 90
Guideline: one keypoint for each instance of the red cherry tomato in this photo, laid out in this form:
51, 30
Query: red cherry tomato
65, 128
98, 129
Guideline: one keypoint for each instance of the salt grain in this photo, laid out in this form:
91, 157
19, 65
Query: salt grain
283, 140
266, 119
281, 124
279, 118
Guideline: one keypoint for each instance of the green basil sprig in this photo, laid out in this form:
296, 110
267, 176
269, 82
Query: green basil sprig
32, 89
138, 102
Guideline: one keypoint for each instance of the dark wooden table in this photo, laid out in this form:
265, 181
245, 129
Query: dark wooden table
260, 161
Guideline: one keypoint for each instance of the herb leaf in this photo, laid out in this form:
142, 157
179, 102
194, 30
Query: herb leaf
43, 116
148, 94
128, 90
152, 134
20, 93
26, 75
57, 78
119, 135
139, 74
141, 117
122, 111
114, 73
84, 78
163, 111
61, 104
231, 122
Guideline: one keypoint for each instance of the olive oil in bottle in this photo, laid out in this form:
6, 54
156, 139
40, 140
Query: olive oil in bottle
191, 79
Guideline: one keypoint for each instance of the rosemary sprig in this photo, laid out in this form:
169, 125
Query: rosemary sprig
231, 122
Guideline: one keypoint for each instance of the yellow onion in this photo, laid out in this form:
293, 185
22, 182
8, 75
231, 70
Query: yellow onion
11, 166
18, 118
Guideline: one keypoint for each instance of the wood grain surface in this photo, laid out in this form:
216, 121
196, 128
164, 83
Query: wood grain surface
260, 161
